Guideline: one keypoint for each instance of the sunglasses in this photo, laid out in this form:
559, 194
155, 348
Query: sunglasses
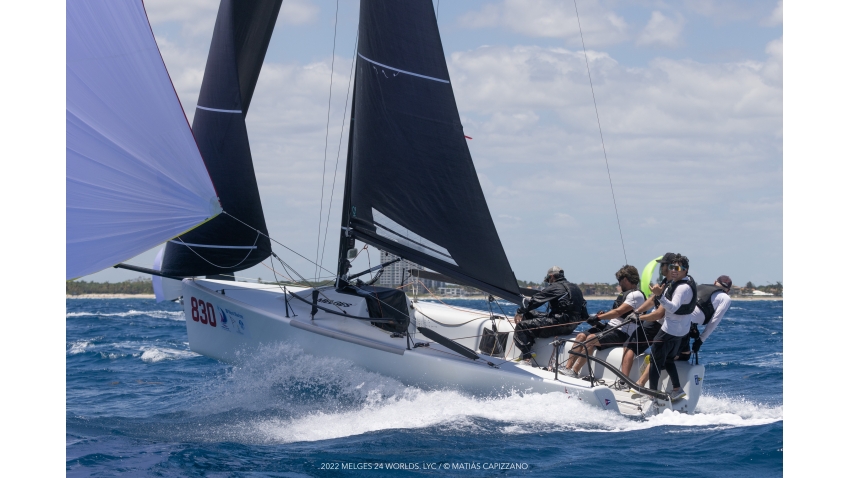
675, 267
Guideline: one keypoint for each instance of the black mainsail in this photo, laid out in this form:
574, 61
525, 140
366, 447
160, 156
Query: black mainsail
225, 245
411, 187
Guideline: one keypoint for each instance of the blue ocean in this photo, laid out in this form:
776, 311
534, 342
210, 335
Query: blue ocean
139, 402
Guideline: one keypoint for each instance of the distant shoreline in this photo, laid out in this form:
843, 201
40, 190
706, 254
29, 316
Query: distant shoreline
110, 296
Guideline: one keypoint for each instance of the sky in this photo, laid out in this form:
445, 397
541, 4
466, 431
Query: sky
690, 104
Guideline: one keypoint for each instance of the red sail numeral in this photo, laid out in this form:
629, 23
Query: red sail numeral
203, 312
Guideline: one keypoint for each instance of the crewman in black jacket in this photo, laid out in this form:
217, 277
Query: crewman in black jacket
567, 309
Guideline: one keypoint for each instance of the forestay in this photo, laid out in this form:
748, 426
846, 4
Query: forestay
134, 175
238, 239
411, 186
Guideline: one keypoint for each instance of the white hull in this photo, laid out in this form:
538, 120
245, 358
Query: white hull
247, 316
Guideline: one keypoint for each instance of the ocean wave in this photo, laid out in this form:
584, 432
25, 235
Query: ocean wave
770, 360
78, 347
156, 314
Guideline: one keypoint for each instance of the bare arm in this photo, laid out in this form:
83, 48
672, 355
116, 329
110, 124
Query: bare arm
653, 316
647, 304
613, 313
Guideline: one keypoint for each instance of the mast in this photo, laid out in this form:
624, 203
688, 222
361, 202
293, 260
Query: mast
346, 239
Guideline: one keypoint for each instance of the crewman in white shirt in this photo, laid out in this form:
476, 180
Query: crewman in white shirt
621, 318
678, 299
712, 303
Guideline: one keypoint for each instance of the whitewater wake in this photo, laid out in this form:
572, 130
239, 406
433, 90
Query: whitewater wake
282, 395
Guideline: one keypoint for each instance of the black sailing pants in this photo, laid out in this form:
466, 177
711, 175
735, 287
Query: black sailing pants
664, 350
539, 326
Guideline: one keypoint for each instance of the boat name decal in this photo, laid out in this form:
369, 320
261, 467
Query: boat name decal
334, 302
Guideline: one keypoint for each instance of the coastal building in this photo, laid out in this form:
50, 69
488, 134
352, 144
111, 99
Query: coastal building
396, 274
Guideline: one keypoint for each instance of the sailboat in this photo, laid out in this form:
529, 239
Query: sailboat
410, 189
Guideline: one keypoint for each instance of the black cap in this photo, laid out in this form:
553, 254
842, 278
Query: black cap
724, 281
668, 258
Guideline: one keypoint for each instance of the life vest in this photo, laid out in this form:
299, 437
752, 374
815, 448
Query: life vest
685, 309
705, 292
622, 298
570, 304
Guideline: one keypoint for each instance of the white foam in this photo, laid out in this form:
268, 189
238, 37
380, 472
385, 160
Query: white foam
303, 398
157, 314
78, 347
158, 354
769, 361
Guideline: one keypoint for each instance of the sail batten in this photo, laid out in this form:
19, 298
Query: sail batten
134, 175
411, 185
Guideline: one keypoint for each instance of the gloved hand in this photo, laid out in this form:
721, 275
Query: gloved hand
697, 344
593, 320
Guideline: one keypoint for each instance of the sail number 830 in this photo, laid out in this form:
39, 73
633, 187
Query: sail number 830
203, 312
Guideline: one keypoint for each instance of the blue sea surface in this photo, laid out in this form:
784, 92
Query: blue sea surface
139, 402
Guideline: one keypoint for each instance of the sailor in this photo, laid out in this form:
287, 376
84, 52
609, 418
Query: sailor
645, 332
677, 299
712, 303
567, 309
621, 321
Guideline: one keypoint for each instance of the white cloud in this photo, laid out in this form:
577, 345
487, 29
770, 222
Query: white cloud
680, 135
694, 149
662, 31
197, 17
553, 19
298, 12
562, 220
775, 17
724, 11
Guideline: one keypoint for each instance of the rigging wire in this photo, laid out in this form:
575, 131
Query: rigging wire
327, 132
599, 124
339, 146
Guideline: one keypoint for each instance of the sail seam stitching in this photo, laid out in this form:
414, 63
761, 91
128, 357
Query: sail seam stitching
402, 71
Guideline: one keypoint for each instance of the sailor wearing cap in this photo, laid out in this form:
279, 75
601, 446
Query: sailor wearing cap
712, 303
678, 300
567, 308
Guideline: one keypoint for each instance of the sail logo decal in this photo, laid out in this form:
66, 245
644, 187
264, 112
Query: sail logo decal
224, 322
203, 312
389, 229
232, 321
607, 402
697, 380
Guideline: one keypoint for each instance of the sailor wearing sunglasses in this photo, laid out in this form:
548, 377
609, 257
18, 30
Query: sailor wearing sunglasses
678, 300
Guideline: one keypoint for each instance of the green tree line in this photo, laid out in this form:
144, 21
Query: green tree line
135, 286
